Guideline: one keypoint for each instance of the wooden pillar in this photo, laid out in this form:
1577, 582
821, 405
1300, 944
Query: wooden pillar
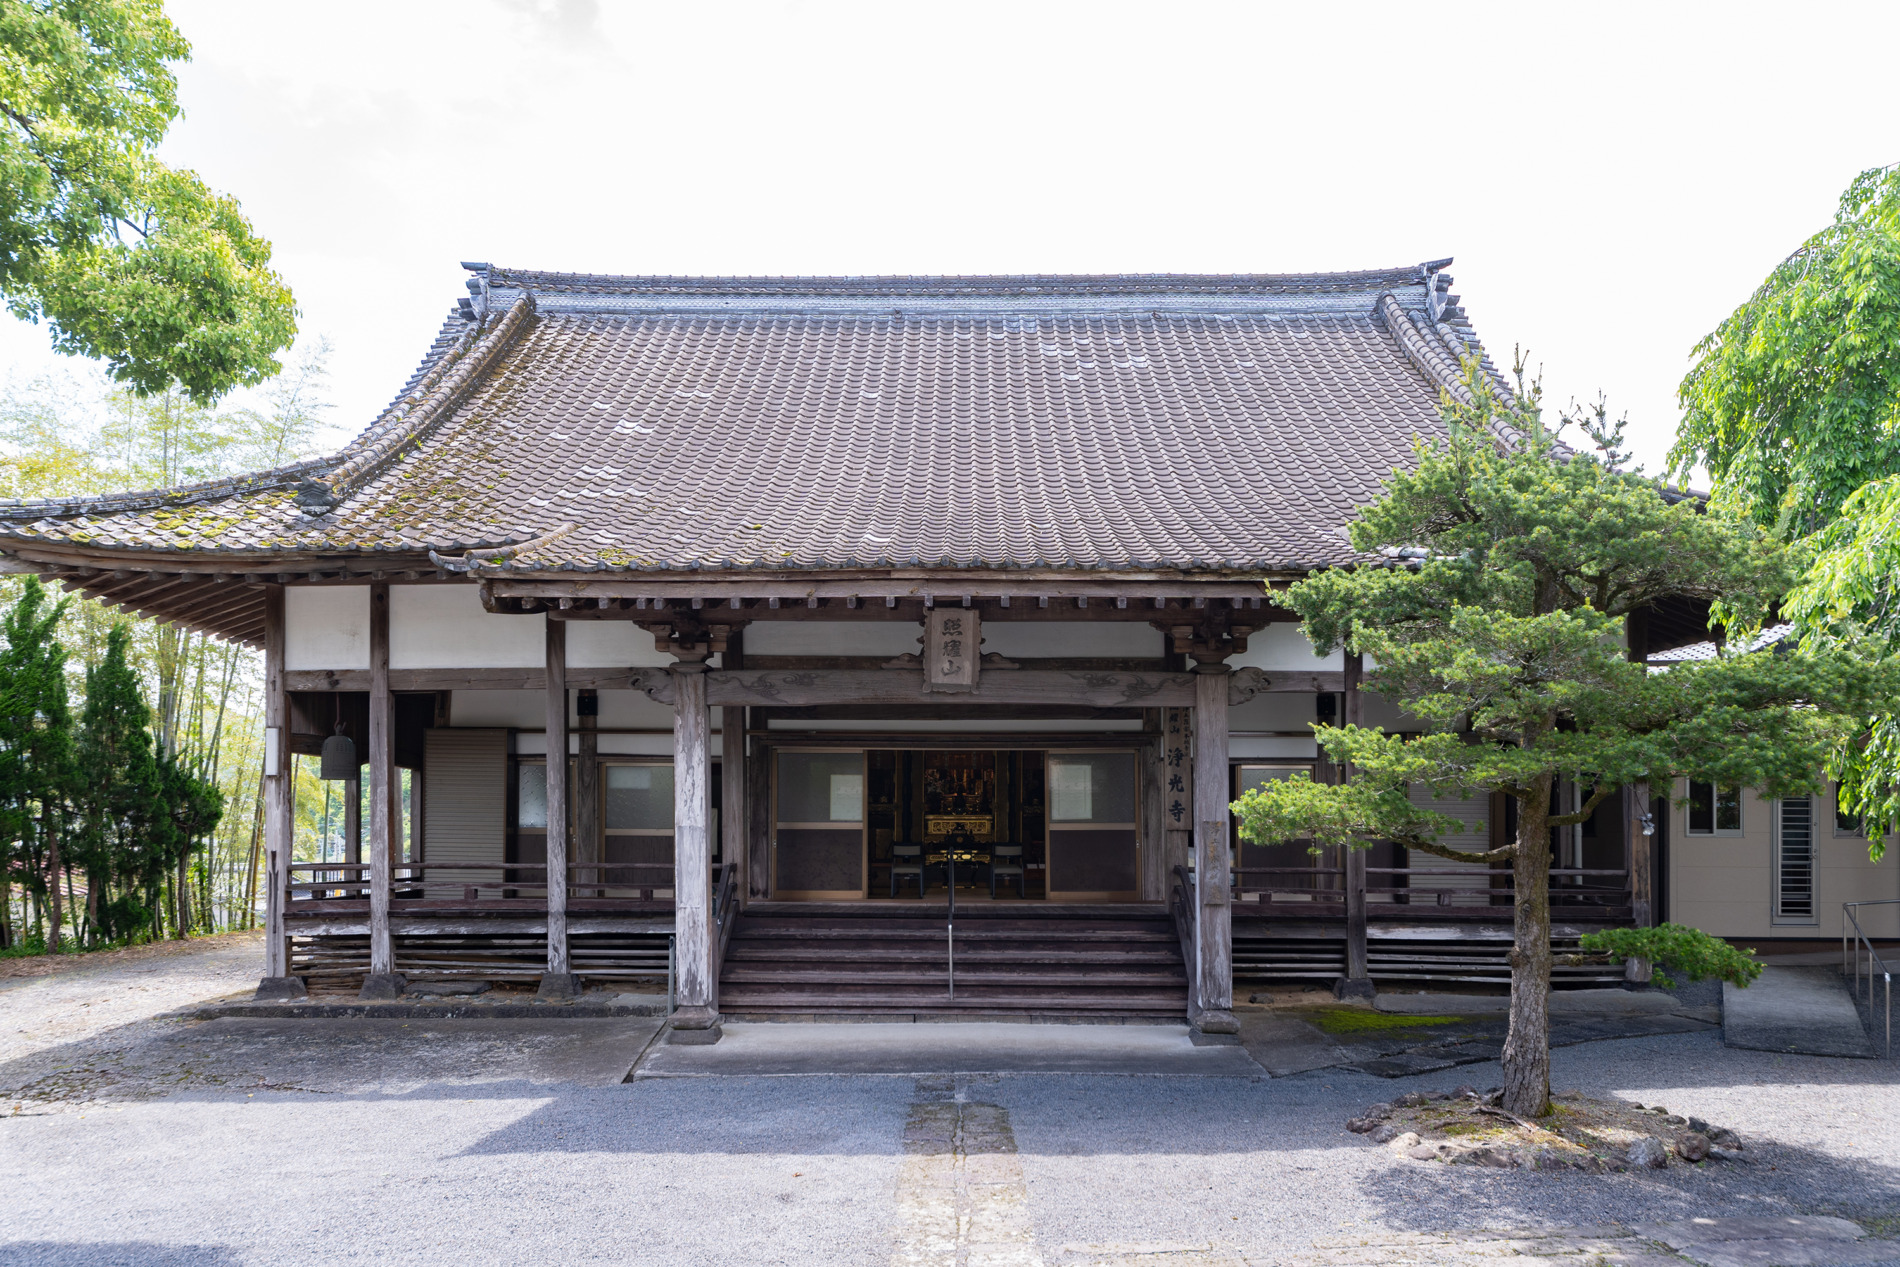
732, 790
758, 809
587, 837
385, 822
698, 1011
1357, 983
733, 776
1211, 1009
279, 791
560, 980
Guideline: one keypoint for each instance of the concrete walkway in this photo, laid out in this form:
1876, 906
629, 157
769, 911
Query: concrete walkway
1805, 1010
913, 1049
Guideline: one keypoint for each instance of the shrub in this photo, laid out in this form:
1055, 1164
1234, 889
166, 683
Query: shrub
1690, 951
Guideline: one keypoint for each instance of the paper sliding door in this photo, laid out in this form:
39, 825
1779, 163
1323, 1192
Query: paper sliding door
818, 833
1094, 843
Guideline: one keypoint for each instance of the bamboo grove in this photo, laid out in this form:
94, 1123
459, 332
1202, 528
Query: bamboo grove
131, 752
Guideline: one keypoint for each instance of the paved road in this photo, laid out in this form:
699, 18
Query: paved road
313, 1142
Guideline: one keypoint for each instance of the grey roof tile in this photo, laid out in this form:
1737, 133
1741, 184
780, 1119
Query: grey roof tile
1126, 423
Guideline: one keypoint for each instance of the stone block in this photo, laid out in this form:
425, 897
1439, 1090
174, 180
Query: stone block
704, 1036
559, 986
382, 986
279, 989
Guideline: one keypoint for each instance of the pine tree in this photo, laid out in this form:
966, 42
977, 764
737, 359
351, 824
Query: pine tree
1509, 567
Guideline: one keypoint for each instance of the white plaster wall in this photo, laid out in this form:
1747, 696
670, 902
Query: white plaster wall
1276, 710
444, 627
326, 626
832, 637
535, 744
1271, 747
955, 726
611, 644
1376, 710
1108, 639
527, 710
636, 710
521, 710
1283, 646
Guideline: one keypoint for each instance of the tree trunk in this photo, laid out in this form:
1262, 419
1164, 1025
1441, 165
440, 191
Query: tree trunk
52, 879
1526, 1056
183, 885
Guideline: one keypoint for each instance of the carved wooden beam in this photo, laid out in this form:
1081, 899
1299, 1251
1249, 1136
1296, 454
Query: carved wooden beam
1247, 683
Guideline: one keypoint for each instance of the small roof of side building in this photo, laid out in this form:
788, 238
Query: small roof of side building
1163, 426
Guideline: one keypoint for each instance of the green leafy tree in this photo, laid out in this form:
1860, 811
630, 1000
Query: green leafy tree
36, 755
129, 261
1793, 404
1510, 567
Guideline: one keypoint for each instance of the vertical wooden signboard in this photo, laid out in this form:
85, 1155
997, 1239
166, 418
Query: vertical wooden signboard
952, 640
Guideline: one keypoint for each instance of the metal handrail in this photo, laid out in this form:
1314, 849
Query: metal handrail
1850, 915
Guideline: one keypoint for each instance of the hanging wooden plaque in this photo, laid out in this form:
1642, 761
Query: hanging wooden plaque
953, 639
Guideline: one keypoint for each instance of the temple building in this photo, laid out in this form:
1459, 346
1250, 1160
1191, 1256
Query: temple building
903, 640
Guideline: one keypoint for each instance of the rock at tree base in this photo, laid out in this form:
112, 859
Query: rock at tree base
1648, 1152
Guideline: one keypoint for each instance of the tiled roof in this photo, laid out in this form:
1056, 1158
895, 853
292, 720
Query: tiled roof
1200, 424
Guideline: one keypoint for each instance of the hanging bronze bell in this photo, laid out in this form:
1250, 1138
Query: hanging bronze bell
339, 757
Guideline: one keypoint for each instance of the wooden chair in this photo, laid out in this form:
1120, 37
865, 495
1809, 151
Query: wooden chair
1006, 861
908, 860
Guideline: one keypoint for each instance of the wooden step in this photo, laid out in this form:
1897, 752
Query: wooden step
767, 1003
742, 952
1087, 936
866, 963
1175, 979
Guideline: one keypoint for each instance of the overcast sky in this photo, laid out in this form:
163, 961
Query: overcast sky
1612, 179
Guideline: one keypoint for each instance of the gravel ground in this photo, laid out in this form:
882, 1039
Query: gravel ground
475, 1143
49, 1001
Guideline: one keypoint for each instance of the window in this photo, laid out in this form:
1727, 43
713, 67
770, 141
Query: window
1845, 823
1715, 809
531, 798
1794, 862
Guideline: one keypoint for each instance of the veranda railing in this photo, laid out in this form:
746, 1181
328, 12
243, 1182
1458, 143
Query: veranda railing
472, 882
1572, 888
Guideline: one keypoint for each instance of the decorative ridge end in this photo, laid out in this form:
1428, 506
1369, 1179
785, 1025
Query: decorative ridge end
1429, 355
496, 556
